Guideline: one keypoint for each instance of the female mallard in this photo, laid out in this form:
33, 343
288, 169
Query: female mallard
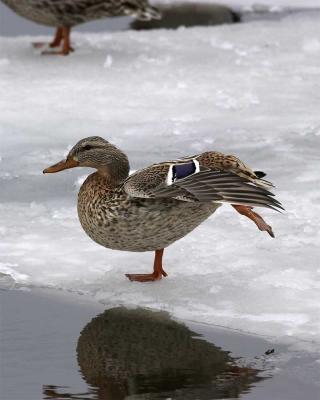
160, 204
64, 14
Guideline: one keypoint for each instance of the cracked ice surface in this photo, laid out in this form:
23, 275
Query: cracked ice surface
248, 89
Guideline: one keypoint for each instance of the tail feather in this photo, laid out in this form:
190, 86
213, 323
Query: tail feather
260, 174
263, 183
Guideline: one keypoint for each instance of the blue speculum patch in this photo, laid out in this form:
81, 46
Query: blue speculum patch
180, 171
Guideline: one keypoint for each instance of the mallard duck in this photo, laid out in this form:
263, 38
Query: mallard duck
154, 207
64, 14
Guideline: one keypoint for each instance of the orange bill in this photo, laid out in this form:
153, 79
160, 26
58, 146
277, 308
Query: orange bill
63, 164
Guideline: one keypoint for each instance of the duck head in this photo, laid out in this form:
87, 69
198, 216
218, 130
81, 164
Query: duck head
95, 152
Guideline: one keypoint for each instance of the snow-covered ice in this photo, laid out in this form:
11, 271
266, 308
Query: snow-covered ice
247, 89
252, 5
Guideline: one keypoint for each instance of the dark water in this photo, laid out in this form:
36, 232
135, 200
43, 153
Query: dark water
147, 355
55, 345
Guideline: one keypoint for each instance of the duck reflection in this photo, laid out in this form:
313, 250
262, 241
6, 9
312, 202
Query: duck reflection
142, 354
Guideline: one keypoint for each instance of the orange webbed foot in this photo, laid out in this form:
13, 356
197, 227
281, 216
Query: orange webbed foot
255, 217
63, 52
157, 274
262, 225
145, 277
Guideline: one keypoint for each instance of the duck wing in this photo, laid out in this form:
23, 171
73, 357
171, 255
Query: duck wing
207, 177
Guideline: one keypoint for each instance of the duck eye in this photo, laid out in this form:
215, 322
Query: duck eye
87, 147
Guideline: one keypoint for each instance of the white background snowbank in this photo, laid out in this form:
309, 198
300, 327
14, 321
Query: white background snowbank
248, 89
250, 3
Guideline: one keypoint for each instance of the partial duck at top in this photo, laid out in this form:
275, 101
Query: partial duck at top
155, 206
65, 14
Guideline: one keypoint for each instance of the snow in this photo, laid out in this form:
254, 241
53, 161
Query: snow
254, 5
246, 89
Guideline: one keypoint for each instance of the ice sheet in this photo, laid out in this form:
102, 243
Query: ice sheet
246, 89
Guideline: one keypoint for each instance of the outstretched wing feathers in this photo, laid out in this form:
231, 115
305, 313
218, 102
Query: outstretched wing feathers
200, 183
226, 187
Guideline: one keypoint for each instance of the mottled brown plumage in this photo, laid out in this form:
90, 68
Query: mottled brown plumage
160, 204
64, 14
118, 221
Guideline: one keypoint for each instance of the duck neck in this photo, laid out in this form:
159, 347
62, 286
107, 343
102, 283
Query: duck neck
115, 169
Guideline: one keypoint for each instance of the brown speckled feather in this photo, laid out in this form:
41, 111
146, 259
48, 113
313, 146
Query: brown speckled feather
121, 222
215, 178
74, 12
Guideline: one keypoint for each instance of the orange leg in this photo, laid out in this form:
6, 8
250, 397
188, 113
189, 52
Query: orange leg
66, 44
57, 38
157, 274
55, 42
64, 35
255, 217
